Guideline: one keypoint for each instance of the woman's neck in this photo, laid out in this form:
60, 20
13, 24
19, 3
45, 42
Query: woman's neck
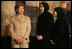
20, 15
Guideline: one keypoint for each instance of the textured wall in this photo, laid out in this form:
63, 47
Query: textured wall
7, 10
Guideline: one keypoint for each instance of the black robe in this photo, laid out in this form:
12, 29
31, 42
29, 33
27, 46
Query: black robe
44, 27
61, 33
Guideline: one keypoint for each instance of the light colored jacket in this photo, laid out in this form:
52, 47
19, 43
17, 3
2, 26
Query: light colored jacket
20, 28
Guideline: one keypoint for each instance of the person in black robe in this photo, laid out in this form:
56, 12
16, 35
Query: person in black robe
60, 31
44, 26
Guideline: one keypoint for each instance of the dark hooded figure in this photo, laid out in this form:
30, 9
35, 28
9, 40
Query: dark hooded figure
61, 32
44, 26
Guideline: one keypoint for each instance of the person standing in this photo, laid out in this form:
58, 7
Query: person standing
61, 32
20, 28
44, 26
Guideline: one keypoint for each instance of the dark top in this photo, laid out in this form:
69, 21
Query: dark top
61, 32
44, 25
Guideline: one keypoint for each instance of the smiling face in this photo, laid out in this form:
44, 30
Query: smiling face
20, 10
41, 8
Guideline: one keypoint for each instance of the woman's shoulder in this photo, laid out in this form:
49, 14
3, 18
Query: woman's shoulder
50, 14
27, 17
12, 18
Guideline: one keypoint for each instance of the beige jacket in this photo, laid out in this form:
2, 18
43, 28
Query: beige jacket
20, 28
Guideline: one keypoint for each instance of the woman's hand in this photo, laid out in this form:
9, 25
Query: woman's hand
39, 37
20, 40
52, 42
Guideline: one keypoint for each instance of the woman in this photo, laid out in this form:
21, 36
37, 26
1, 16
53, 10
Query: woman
61, 32
44, 26
20, 28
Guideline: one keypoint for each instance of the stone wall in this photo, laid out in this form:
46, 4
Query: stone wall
7, 10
